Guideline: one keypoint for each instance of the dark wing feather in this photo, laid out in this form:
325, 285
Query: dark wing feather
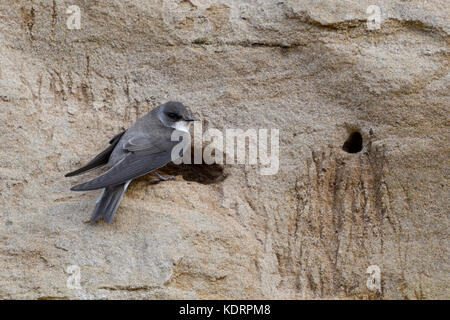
100, 160
133, 165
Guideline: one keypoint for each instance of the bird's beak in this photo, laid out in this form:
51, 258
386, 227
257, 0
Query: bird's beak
189, 119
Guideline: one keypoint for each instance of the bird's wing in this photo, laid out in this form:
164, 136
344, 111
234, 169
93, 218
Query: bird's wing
100, 160
144, 155
140, 143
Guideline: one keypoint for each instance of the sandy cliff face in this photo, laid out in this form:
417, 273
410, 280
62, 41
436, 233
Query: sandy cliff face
311, 69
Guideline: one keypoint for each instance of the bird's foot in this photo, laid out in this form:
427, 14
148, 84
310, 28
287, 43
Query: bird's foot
160, 178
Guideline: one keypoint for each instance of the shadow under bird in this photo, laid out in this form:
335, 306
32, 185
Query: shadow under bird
143, 148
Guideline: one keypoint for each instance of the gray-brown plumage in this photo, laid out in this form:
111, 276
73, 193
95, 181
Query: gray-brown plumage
144, 147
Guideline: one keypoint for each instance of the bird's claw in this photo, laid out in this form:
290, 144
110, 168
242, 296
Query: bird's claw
160, 178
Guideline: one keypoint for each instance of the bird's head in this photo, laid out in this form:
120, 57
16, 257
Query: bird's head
175, 115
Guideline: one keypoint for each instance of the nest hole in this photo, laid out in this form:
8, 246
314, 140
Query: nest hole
354, 143
201, 173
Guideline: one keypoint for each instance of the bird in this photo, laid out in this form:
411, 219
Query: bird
144, 147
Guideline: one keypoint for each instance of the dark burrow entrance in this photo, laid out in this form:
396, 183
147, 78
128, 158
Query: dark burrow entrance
354, 143
201, 173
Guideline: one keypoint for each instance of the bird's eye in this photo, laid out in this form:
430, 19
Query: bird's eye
173, 115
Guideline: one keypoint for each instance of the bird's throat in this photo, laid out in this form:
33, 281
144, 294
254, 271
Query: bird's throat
182, 126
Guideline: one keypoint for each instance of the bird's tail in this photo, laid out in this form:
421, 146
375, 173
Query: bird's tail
108, 202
